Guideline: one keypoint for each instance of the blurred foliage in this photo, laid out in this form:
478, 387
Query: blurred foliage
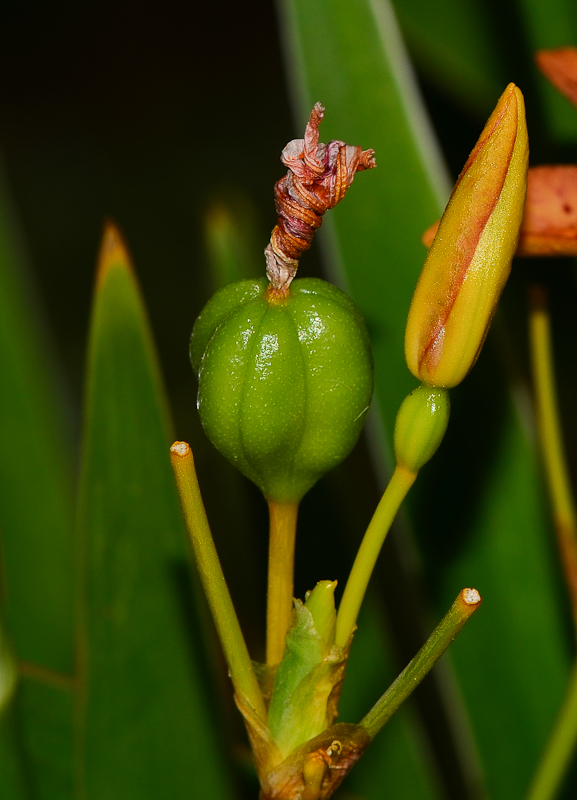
161, 117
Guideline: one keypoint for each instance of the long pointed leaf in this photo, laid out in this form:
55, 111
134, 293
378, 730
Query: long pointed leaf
36, 509
36, 523
144, 728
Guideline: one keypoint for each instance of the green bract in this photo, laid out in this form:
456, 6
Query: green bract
284, 383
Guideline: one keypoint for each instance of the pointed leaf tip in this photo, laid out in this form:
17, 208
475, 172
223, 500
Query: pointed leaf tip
113, 251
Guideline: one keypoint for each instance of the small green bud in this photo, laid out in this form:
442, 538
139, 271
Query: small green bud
308, 678
285, 382
420, 426
321, 603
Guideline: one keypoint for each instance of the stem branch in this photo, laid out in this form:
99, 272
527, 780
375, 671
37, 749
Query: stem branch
464, 606
549, 428
213, 580
379, 526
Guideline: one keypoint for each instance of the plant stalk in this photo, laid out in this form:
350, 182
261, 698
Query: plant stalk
213, 580
379, 526
549, 427
467, 602
283, 520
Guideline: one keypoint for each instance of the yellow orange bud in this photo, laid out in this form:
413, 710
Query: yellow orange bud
470, 258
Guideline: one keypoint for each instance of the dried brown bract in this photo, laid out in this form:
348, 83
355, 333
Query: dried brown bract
317, 179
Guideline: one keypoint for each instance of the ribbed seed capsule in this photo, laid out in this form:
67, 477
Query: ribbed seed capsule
284, 384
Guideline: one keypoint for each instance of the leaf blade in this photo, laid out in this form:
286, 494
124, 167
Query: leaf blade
143, 724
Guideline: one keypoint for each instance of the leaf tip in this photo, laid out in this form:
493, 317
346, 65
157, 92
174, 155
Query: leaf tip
113, 252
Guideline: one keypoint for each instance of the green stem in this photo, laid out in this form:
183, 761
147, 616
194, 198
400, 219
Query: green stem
283, 520
560, 747
379, 526
551, 441
464, 606
213, 580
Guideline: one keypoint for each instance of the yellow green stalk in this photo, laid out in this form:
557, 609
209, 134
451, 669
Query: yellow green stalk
213, 580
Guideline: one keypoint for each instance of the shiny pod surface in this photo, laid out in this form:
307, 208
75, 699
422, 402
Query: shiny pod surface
284, 384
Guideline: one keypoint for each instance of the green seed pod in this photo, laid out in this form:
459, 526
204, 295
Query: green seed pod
285, 382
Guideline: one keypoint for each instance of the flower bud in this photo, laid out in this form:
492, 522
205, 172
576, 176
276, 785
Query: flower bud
285, 382
470, 258
320, 601
420, 426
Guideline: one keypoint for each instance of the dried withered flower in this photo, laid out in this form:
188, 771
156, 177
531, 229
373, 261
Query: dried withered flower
560, 67
550, 223
317, 179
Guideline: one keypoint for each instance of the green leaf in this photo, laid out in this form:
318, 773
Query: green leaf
45, 703
36, 508
231, 239
12, 779
36, 527
454, 45
12, 772
144, 726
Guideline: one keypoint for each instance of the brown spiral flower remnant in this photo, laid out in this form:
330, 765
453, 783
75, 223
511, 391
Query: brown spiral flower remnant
317, 179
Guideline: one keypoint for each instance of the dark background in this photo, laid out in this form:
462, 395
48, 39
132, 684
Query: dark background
148, 114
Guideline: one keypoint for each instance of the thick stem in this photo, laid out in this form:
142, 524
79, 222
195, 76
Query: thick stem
213, 580
551, 441
283, 521
560, 748
369, 550
464, 606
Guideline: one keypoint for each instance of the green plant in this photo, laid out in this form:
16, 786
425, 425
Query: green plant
478, 516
